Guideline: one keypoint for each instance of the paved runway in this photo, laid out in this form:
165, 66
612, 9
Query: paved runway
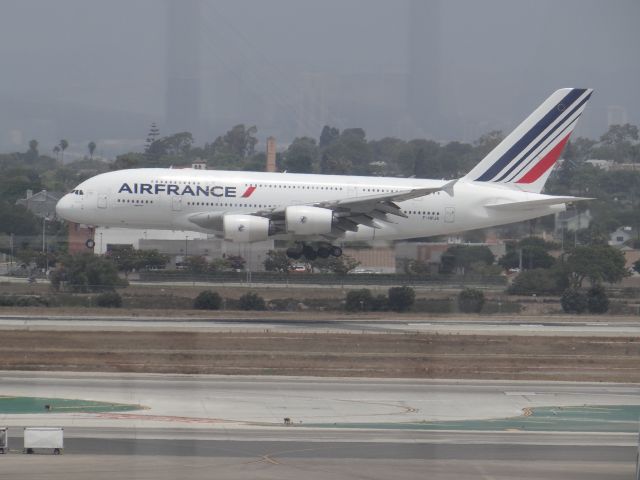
201, 427
247, 400
618, 326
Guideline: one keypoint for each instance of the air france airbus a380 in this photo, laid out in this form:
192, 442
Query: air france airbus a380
320, 212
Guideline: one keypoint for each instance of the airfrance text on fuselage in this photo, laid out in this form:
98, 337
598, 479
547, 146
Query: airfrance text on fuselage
174, 189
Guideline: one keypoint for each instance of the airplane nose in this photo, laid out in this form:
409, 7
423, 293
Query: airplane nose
64, 207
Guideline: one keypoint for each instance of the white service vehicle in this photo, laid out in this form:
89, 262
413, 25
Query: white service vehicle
45, 438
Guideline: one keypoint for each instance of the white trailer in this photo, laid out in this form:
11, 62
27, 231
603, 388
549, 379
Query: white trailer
4, 440
48, 438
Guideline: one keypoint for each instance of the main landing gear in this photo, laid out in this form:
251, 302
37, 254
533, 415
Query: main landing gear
310, 253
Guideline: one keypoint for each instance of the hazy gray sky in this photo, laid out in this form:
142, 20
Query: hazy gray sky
89, 69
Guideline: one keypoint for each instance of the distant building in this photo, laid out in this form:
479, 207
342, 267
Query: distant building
180, 244
601, 164
571, 220
621, 236
373, 260
80, 238
41, 204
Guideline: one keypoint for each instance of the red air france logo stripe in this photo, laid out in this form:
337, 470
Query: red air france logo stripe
543, 165
249, 191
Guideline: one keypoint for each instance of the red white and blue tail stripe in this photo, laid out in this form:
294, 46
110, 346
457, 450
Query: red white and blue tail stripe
525, 158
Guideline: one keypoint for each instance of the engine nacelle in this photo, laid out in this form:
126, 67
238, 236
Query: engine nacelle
245, 228
305, 220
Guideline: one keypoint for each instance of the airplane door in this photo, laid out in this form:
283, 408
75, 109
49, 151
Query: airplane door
176, 203
102, 201
449, 214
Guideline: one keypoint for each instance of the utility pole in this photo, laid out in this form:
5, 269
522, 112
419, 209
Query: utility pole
44, 244
11, 246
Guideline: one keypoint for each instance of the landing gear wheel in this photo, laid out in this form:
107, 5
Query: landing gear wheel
294, 253
324, 252
56, 451
336, 251
309, 253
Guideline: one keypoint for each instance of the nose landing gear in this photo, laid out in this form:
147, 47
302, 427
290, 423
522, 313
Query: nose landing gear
310, 253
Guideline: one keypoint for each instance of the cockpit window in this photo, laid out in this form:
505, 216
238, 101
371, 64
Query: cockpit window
77, 192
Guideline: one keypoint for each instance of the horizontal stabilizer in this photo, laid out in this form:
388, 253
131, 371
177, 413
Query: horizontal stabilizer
534, 204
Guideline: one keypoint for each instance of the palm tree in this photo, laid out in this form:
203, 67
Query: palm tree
63, 146
56, 150
92, 148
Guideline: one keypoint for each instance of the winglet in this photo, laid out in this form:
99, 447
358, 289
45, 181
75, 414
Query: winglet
448, 187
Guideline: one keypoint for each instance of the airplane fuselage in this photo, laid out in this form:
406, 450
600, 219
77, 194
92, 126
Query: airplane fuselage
166, 199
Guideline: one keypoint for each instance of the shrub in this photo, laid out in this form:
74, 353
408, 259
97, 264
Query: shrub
207, 300
252, 301
597, 300
109, 300
380, 303
540, 281
401, 299
573, 301
470, 300
359, 300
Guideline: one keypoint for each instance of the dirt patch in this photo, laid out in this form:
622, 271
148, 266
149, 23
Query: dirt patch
321, 354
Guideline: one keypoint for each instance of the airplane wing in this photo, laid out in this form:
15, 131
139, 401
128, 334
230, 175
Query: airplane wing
349, 212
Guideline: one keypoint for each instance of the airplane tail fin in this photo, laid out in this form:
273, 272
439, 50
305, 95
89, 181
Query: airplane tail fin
524, 159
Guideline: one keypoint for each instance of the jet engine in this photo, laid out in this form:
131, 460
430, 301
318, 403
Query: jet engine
245, 228
305, 220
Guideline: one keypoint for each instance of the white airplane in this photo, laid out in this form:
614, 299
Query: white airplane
317, 213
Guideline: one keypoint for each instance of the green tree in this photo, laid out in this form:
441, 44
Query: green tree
342, 265
460, 258
207, 300
618, 143
597, 300
239, 142
328, 136
539, 281
301, 156
196, 264
359, 300
92, 148
32, 153
147, 259
86, 273
132, 160
252, 301
109, 300
573, 301
56, 151
470, 300
124, 258
401, 299
277, 261
349, 154
535, 254
152, 136
18, 220
597, 263
63, 146
235, 262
